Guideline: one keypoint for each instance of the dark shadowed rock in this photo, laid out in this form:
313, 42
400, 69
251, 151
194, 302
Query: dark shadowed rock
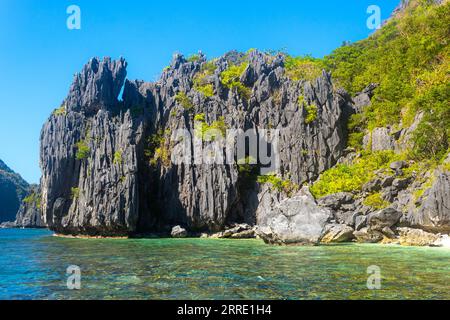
373, 185
434, 213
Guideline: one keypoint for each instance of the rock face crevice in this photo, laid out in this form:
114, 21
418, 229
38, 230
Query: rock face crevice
108, 164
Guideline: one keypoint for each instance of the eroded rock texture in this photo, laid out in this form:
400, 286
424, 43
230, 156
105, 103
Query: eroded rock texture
108, 164
30, 214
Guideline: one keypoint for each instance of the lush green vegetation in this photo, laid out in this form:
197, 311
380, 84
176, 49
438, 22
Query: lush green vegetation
207, 132
75, 193
184, 101
230, 78
117, 158
193, 58
158, 150
376, 201
279, 184
302, 68
61, 111
201, 82
409, 59
33, 198
348, 178
83, 150
311, 113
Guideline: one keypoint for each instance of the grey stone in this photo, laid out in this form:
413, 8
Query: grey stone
373, 185
417, 237
400, 184
387, 181
30, 214
295, 220
336, 233
387, 217
366, 235
360, 222
434, 214
178, 232
380, 139
397, 165
388, 232
335, 201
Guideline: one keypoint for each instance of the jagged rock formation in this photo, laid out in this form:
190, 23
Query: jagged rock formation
89, 157
112, 167
30, 214
12, 190
434, 213
429, 212
102, 175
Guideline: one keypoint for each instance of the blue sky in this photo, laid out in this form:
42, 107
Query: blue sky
39, 55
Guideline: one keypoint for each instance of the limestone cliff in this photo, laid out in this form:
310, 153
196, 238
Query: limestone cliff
108, 164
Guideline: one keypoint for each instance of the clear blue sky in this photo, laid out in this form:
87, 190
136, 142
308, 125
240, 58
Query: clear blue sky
39, 55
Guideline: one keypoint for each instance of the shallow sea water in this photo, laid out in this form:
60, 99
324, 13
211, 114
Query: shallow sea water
33, 265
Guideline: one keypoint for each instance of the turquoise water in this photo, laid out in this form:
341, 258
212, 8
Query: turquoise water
33, 266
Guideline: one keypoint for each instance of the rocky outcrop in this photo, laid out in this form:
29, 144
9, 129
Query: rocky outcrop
108, 164
178, 232
434, 213
335, 233
417, 237
385, 218
12, 190
8, 225
295, 220
120, 167
30, 213
89, 157
398, 190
